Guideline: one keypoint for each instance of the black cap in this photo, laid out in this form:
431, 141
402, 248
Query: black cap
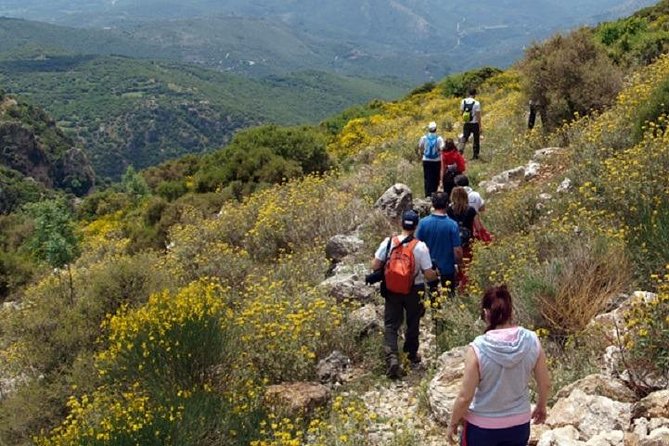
409, 220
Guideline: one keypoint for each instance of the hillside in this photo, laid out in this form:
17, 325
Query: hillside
137, 112
36, 157
250, 323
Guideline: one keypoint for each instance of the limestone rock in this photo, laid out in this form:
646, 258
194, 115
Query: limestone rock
298, 397
613, 438
590, 414
536, 431
445, 385
545, 197
531, 170
602, 385
655, 405
333, 368
547, 152
366, 320
565, 186
348, 286
423, 206
658, 437
562, 436
341, 246
394, 201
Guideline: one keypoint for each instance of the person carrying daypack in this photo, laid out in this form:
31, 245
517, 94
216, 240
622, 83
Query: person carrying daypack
471, 118
430, 146
452, 165
407, 265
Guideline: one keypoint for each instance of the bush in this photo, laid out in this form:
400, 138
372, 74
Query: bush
570, 75
650, 112
459, 84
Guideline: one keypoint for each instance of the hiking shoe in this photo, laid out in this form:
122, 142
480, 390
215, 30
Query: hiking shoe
394, 371
415, 359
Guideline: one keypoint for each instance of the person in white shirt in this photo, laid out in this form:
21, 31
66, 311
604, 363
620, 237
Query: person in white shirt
430, 146
474, 197
397, 304
471, 115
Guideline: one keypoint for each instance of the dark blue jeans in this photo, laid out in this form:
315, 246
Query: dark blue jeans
473, 435
469, 129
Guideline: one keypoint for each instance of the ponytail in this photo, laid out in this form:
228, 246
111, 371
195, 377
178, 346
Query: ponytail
497, 301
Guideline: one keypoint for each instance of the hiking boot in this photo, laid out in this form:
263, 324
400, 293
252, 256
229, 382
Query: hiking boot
415, 359
394, 371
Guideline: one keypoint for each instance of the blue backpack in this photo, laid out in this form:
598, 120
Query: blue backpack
431, 148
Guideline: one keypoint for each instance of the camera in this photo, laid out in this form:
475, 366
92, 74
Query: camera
374, 277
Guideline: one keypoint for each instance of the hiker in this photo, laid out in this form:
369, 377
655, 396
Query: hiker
401, 290
494, 403
430, 146
442, 237
536, 106
467, 219
452, 165
475, 201
471, 117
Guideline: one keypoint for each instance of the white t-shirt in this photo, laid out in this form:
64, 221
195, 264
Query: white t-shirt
477, 108
421, 255
475, 199
440, 146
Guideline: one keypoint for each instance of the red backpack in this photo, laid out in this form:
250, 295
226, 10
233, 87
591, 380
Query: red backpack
400, 266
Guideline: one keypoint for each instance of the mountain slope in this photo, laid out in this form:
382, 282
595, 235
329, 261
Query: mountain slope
127, 111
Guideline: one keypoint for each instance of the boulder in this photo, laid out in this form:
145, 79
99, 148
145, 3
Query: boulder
590, 414
366, 320
547, 152
348, 286
445, 385
597, 384
341, 246
658, 437
655, 405
532, 170
613, 438
562, 436
334, 368
394, 201
297, 398
423, 206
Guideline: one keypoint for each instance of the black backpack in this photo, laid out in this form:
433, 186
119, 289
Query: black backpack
468, 111
465, 235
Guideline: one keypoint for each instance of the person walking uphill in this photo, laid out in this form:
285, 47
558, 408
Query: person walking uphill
407, 264
471, 117
494, 402
452, 165
430, 146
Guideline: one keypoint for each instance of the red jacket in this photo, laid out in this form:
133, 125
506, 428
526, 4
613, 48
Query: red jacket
453, 157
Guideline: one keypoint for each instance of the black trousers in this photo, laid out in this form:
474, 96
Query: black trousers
469, 129
393, 315
431, 173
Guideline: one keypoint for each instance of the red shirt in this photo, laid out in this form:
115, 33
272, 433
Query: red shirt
453, 157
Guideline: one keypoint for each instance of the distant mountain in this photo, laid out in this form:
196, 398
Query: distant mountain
126, 111
427, 35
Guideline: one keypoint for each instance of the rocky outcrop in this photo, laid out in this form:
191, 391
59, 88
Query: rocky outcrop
296, 398
366, 320
343, 286
598, 384
334, 368
590, 414
655, 405
394, 201
341, 246
445, 385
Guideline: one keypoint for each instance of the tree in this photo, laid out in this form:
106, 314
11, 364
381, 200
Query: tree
570, 74
54, 240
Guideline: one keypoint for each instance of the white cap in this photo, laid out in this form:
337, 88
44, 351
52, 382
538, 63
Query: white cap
432, 126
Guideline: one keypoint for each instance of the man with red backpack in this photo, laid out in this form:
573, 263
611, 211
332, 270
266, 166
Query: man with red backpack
407, 266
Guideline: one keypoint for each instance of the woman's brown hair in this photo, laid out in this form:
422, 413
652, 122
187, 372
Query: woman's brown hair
497, 300
459, 200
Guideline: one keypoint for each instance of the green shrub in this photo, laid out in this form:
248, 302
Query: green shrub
650, 111
459, 84
570, 75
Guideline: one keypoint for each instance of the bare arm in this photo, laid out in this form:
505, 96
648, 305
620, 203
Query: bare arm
467, 390
457, 252
376, 264
430, 274
543, 379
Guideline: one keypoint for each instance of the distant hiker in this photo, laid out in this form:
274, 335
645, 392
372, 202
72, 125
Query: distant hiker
536, 106
430, 147
475, 201
442, 237
471, 118
407, 265
467, 219
494, 401
452, 165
